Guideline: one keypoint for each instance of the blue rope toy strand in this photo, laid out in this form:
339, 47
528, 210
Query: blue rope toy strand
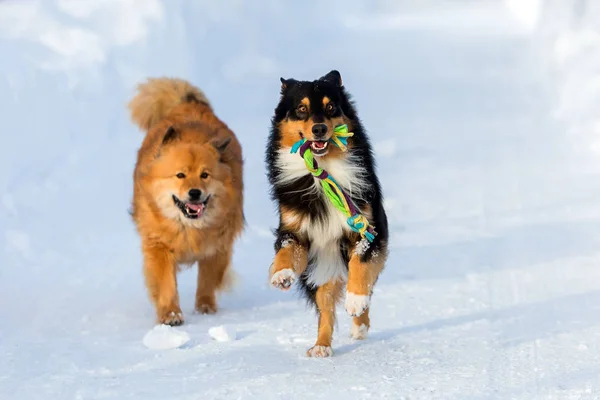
333, 191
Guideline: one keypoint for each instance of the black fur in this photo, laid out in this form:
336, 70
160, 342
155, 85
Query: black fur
191, 98
292, 194
170, 135
221, 144
283, 237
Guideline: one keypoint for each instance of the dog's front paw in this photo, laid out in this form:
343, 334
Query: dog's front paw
283, 279
320, 351
171, 317
356, 304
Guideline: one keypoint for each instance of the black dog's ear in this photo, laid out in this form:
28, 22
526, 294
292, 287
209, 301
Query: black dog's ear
334, 77
286, 84
170, 135
221, 144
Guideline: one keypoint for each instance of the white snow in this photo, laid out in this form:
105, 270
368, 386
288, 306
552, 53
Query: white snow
223, 333
165, 337
484, 115
362, 246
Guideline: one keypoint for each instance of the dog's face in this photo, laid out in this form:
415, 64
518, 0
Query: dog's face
311, 110
189, 183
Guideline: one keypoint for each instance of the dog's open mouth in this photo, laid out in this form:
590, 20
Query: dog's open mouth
191, 210
319, 147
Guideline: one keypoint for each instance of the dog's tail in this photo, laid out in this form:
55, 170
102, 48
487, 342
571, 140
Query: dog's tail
157, 97
230, 281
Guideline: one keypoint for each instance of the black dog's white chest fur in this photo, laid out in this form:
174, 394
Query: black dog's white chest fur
325, 230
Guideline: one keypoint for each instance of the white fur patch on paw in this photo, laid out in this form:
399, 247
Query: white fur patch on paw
320, 351
283, 279
356, 304
359, 332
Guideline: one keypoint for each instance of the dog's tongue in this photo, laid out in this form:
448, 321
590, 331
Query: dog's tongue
318, 145
195, 207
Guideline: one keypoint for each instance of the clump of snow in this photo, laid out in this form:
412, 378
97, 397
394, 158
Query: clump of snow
222, 333
165, 337
362, 246
287, 243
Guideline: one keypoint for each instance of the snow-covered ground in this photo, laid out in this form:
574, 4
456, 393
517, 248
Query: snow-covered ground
485, 119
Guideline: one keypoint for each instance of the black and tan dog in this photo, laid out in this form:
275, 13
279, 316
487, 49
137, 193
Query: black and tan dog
316, 244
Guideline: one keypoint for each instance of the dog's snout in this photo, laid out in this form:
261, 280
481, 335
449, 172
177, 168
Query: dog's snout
194, 194
319, 130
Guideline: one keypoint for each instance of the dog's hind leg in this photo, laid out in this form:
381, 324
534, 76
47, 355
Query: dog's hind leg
212, 272
327, 297
360, 326
160, 271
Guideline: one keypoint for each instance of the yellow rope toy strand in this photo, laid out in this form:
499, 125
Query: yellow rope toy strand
334, 192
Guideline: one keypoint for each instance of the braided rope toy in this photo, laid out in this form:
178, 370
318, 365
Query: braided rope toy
334, 192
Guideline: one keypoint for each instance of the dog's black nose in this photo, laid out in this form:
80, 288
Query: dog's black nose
194, 194
319, 131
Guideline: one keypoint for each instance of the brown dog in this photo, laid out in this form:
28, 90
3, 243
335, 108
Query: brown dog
188, 193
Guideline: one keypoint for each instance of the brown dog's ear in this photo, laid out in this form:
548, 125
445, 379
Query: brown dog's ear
170, 135
334, 77
221, 144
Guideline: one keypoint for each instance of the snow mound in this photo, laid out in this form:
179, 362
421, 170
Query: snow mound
222, 333
165, 337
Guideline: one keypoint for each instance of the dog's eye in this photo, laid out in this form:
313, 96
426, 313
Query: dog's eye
204, 175
180, 175
302, 109
330, 107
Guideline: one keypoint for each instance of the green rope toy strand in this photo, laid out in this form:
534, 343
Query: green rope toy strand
334, 192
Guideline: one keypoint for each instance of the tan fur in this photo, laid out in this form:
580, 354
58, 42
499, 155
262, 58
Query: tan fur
158, 96
290, 133
362, 319
169, 239
362, 276
294, 256
361, 281
326, 298
291, 219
